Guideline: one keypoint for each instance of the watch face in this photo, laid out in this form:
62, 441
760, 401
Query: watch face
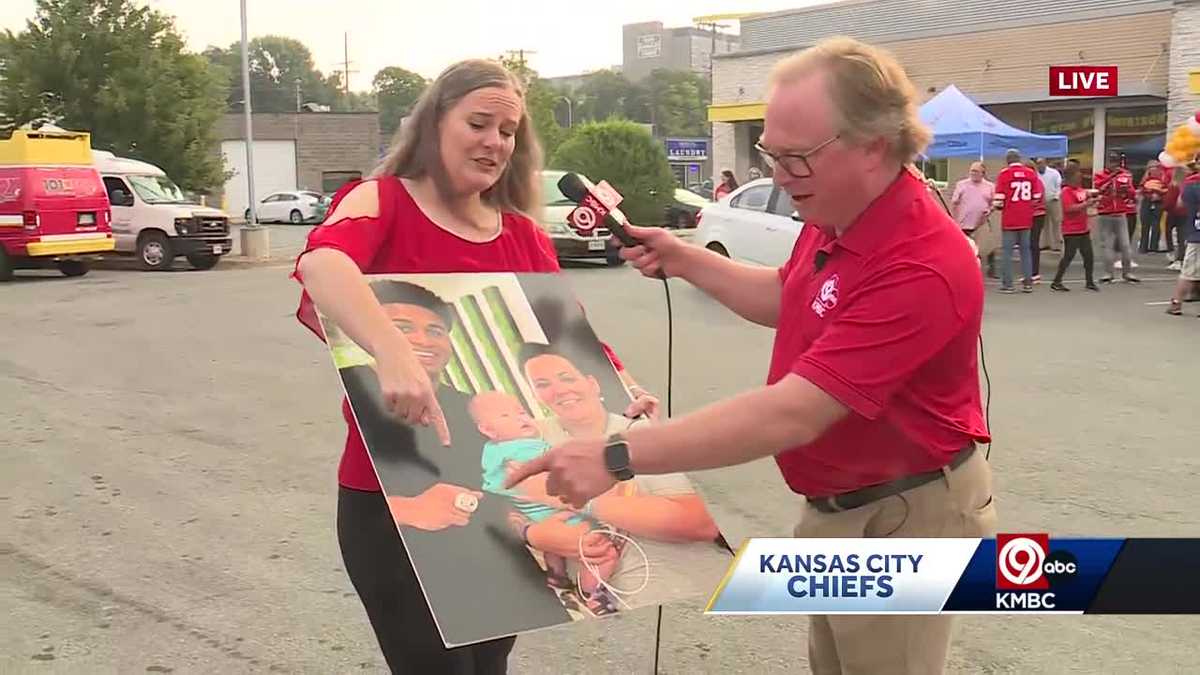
616, 460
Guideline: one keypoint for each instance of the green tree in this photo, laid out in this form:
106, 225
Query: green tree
626, 156
607, 94
276, 63
396, 91
677, 103
541, 100
119, 71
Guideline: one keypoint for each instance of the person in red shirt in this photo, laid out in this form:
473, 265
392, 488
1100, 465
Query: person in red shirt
873, 388
1152, 188
1075, 228
1039, 224
1175, 211
450, 196
727, 185
1018, 194
1115, 184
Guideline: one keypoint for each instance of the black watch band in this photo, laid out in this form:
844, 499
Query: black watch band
616, 457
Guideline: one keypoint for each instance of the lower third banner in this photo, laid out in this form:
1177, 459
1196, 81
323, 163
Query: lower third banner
1013, 573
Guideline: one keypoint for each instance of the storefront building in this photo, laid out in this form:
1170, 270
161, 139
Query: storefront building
998, 52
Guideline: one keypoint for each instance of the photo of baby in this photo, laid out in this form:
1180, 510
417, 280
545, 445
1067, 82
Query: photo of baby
517, 369
513, 440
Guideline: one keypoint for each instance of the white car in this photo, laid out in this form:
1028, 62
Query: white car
295, 207
753, 224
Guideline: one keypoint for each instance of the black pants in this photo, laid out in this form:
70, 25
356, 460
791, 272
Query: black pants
1035, 239
1076, 242
1175, 236
382, 573
1151, 215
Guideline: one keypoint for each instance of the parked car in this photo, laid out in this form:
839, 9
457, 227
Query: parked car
296, 207
684, 211
754, 224
704, 189
568, 243
153, 220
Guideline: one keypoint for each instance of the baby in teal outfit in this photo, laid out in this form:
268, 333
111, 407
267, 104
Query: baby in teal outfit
513, 440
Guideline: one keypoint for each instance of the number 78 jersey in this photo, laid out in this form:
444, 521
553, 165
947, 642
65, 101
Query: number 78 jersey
1021, 188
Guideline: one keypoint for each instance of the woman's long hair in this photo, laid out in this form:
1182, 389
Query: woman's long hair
416, 149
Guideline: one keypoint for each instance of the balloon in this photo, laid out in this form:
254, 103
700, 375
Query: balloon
1193, 124
1167, 160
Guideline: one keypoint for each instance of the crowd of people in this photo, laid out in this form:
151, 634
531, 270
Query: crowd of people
1044, 204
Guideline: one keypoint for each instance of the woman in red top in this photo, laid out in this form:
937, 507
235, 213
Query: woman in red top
728, 184
1075, 227
452, 195
1176, 212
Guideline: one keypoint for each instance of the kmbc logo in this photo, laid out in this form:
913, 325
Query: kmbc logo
1021, 560
1027, 570
1083, 80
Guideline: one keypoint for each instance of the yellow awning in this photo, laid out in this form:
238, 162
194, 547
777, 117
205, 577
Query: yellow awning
736, 112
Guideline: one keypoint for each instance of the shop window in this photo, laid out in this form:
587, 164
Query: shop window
1078, 125
1137, 133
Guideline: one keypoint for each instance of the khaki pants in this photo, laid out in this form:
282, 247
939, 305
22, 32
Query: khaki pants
959, 504
1052, 236
987, 237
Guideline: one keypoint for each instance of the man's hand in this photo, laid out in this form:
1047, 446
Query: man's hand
659, 251
437, 508
576, 471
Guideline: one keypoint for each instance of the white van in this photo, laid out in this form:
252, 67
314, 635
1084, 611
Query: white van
153, 220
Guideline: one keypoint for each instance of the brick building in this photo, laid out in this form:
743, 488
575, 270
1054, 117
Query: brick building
297, 151
998, 53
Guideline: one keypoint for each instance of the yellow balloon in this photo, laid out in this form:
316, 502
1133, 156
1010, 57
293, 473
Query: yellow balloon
1184, 133
1173, 147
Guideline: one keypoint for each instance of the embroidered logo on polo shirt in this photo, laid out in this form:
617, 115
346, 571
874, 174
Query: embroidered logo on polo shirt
827, 297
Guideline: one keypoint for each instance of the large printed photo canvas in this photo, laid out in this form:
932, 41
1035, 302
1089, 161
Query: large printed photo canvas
518, 369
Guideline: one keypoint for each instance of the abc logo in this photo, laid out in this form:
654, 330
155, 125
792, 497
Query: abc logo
1060, 567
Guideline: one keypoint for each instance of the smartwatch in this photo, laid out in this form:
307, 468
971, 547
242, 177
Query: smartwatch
616, 457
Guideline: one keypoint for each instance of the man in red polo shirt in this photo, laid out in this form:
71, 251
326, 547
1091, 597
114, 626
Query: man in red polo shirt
872, 404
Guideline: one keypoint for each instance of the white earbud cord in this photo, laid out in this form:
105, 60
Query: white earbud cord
594, 570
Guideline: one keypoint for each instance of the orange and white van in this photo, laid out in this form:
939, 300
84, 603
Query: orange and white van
54, 211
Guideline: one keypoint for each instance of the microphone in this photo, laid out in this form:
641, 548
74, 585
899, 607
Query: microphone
597, 204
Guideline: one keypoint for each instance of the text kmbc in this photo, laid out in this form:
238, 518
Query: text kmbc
1026, 570
1083, 80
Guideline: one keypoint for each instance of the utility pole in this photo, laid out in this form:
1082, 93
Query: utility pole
252, 221
297, 94
346, 71
255, 240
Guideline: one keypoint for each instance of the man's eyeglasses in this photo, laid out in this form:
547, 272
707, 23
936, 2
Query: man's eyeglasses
795, 163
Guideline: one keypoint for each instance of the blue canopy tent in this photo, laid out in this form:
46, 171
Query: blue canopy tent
963, 129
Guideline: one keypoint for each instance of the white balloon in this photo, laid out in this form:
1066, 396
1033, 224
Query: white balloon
1167, 159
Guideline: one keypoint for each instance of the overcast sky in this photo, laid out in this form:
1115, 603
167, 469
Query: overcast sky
428, 35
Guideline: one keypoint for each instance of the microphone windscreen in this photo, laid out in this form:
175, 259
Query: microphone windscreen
572, 187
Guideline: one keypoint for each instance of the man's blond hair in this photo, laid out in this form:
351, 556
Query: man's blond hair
871, 94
